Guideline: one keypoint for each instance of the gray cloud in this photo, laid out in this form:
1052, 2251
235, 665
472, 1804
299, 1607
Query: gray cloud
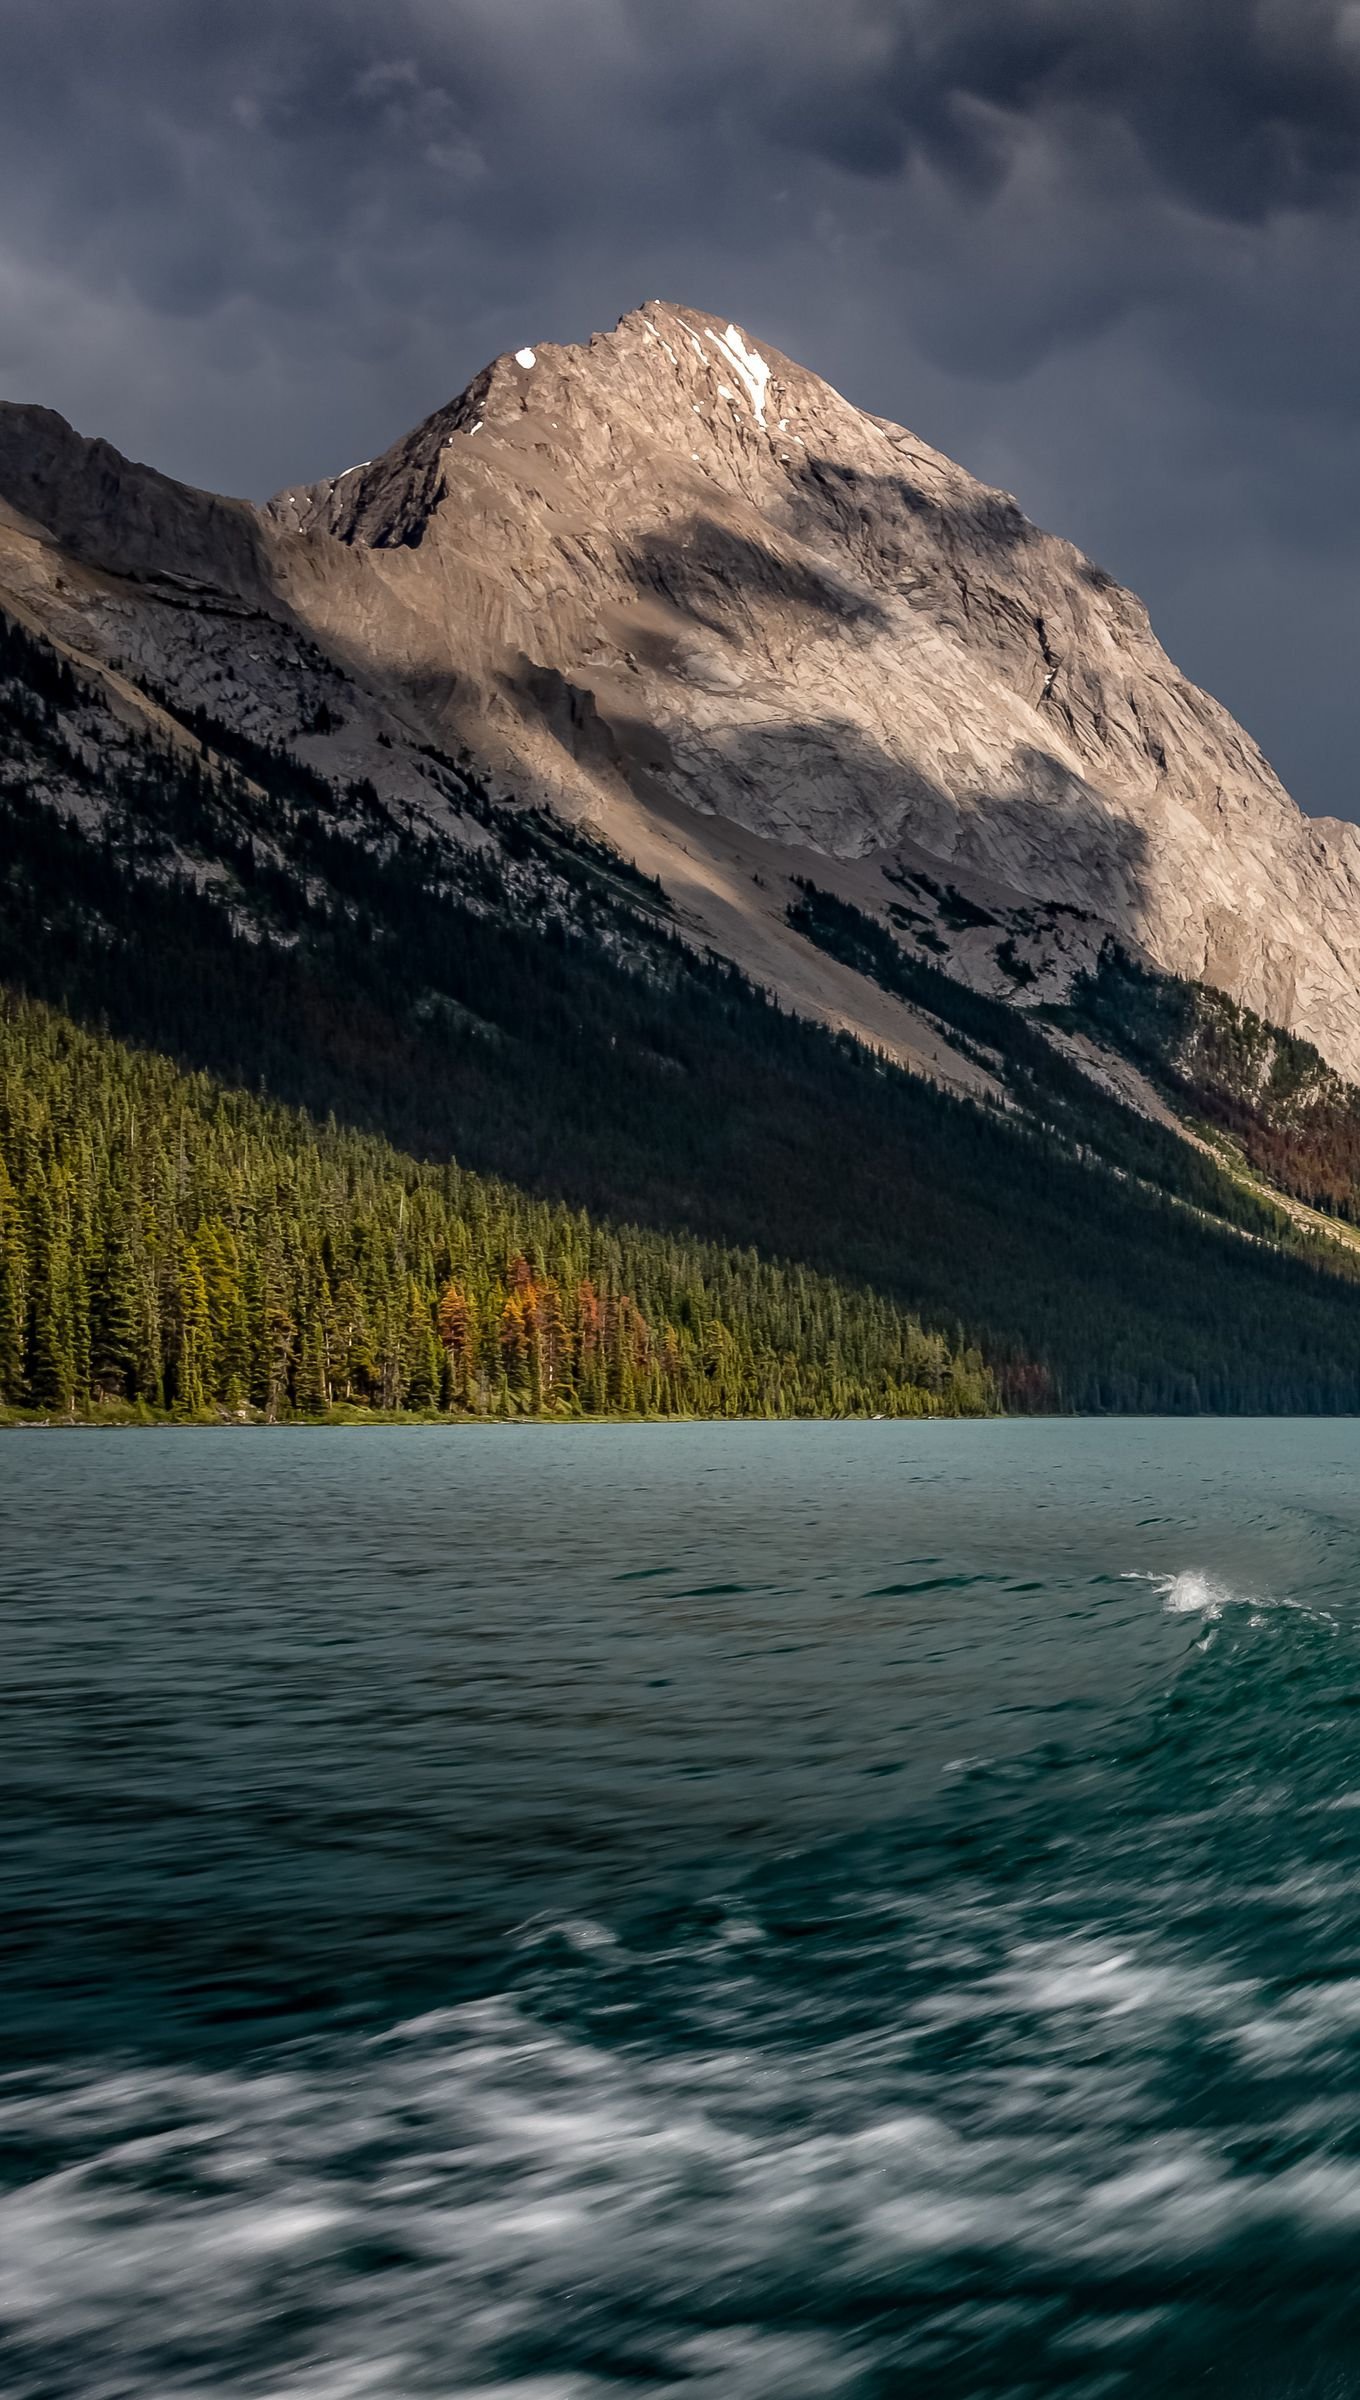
1241, 106
1104, 250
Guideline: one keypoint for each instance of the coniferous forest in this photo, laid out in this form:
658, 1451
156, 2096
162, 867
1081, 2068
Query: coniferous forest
525, 1006
173, 1246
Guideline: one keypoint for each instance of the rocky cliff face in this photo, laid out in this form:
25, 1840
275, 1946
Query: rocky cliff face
671, 581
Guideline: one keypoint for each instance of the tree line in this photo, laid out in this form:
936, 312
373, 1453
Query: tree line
169, 1245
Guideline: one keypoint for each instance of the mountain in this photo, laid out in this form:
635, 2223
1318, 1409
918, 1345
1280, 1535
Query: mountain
676, 563
621, 781
668, 577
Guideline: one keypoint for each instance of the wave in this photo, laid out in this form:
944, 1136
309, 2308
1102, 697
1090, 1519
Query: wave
1195, 1593
1042, 2074
486, 2202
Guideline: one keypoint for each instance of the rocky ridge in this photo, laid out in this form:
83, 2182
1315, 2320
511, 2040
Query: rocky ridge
672, 583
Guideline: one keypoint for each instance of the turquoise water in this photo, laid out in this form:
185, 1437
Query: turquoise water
768, 1912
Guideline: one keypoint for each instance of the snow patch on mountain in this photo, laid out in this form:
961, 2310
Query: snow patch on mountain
749, 365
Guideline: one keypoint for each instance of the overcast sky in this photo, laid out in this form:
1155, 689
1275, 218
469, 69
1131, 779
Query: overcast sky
1106, 252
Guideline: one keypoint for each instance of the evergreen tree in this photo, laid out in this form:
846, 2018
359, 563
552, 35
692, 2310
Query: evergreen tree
115, 1311
51, 1367
13, 1292
192, 1361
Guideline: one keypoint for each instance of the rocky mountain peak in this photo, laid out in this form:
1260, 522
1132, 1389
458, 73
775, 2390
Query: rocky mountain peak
672, 563
668, 384
668, 579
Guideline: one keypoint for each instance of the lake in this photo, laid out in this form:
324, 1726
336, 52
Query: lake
744, 1912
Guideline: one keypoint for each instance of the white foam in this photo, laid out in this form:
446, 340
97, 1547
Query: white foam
1192, 1593
519, 2179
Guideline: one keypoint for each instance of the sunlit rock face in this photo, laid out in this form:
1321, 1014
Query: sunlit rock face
671, 555
671, 580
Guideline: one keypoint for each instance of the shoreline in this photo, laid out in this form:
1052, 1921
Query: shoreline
365, 1421
130, 1421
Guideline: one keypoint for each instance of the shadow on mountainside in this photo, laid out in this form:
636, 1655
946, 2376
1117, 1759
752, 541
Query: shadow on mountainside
977, 565
827, 783
707, 572
987, 519
855, 549
127, 519
1064, 832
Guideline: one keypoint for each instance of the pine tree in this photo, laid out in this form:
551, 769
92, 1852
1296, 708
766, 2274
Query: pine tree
313, 1383
116, 1315
423, 1360
51, 1373
192, 1354
13, 1290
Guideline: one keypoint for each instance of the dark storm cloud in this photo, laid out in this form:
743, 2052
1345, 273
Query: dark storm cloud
1241, 107
1105, 250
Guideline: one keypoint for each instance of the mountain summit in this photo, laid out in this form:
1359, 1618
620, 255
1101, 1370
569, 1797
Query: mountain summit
701, 573
672, 583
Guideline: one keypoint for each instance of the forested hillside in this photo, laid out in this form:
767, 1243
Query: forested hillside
520, 1000
1294, 1119
167, 1243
